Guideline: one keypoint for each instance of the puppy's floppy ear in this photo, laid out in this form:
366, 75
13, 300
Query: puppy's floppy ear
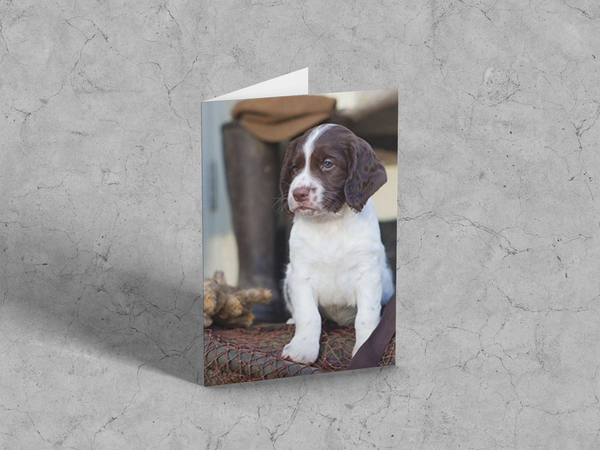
285, 178
366, 174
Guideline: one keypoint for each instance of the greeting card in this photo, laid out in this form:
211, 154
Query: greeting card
299, 231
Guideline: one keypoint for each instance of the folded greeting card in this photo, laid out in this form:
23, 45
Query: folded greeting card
299, 231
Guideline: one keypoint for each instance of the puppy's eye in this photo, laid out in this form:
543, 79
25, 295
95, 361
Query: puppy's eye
327, 164
294, 168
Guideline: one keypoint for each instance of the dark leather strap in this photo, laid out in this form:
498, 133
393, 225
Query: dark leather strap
372, 350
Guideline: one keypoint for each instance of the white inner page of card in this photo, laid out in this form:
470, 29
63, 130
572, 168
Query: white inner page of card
294, 83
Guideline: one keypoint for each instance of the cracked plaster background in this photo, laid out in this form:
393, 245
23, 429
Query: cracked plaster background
100, 259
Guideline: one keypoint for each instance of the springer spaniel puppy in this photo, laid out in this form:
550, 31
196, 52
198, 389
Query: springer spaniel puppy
337, 263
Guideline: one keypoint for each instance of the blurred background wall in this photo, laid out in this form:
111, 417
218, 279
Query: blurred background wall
220, 249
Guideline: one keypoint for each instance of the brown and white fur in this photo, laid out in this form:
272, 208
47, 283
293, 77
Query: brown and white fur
337, 263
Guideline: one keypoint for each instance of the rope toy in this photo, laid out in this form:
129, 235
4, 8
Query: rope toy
230, 305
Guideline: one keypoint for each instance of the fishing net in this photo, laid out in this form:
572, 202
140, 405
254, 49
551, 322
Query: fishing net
236, 355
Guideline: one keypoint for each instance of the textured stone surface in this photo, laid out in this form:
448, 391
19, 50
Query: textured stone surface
100, 202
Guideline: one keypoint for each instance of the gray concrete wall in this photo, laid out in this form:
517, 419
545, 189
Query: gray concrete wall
100, 202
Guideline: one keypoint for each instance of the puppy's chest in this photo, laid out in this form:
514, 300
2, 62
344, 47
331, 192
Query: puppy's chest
325, 251
332, 263
328, 260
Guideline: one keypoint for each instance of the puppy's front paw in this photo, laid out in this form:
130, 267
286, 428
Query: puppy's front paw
301, 350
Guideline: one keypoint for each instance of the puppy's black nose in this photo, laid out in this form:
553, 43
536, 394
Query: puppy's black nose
301, 193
